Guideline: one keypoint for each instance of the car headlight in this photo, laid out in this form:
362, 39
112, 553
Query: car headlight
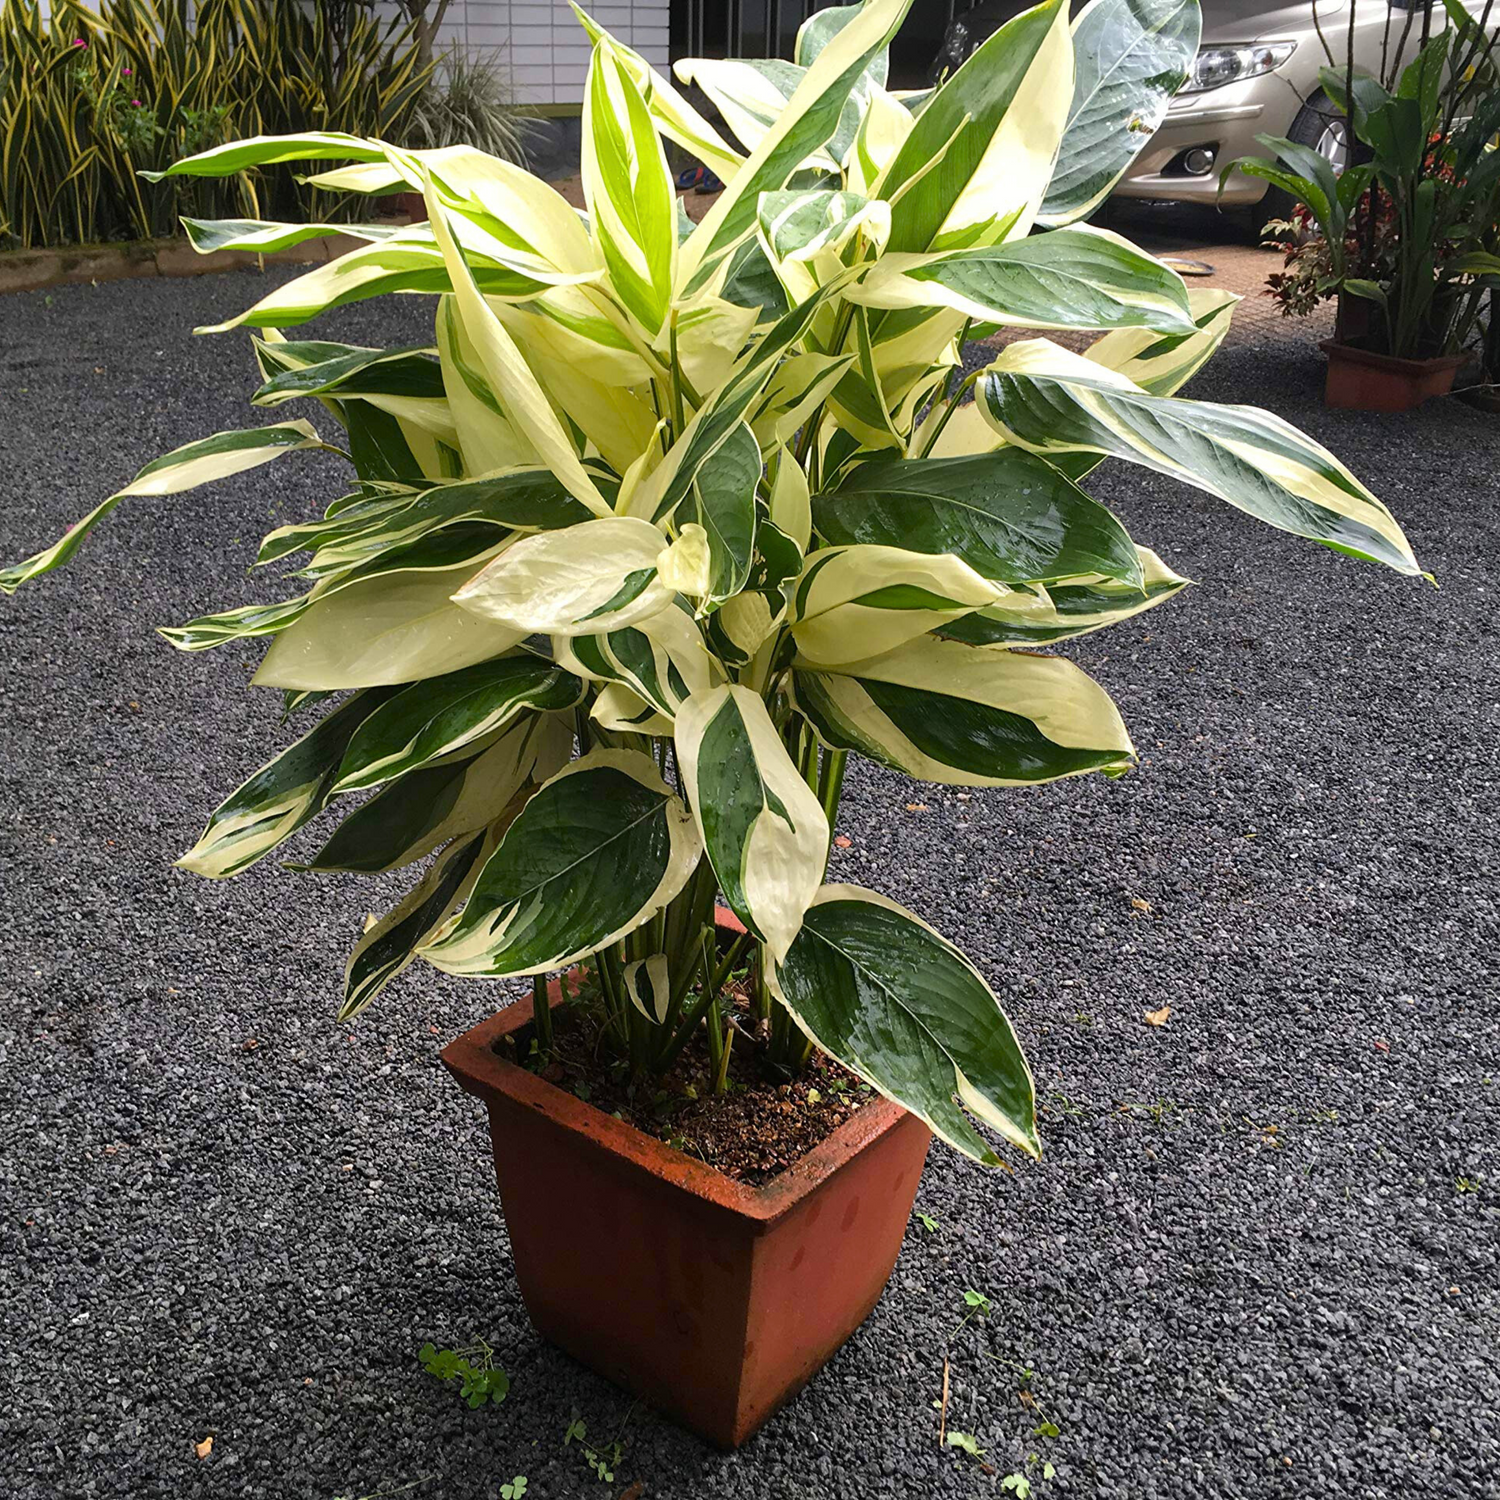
1216, 66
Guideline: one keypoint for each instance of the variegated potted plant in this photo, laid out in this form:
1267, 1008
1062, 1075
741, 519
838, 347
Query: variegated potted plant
668, 522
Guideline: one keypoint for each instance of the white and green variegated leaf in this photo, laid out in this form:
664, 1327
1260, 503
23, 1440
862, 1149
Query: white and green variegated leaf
1073, 606
487, 437
282, 796
1009, 515
674, 116
595, 854
505, 370
946, 711
858, 601
658, 496
1071, 278
389, 946
801, 226
807, 123
629, 191
976, 163
790, 502
387, 628
597, 576
880, 990
764, 830
662, 659
265, 237
722, 502
820, 28
247, 621
410, 260
750, 93
319, 369
217, 457
1051, 401
648, 983
405, 384
622, 710
441, 716
801, 384
882, 132
514, 500
1161, 364
1131, 57
424, 809
268, 150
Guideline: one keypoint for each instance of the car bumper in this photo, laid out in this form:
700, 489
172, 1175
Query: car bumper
1227, 126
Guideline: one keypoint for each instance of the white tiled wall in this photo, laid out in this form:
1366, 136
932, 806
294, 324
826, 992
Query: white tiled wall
543, 45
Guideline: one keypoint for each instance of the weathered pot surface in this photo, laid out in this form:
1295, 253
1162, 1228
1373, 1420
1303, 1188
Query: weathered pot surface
1362, 380
713, 1301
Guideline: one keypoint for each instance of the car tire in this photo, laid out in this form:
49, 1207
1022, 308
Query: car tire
1319, 125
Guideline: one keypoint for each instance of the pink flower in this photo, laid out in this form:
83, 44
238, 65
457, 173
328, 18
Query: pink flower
78, 41
135, 103
126, 72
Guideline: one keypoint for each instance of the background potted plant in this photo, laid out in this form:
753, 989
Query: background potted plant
1406, 236
668, 522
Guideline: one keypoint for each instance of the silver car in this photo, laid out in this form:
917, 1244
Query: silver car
1256, 73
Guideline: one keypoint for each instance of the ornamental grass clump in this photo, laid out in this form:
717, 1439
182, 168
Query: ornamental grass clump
670, 520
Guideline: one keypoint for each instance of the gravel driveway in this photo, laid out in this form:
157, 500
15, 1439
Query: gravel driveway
1259, 1257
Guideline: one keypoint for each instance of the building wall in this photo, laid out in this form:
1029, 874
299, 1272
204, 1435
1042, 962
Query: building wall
542, 44
544, 47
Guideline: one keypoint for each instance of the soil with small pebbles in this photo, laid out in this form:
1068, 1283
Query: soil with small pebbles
1257, 1259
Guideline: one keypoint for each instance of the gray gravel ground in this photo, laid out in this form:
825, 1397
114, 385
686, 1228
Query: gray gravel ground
1258, 1259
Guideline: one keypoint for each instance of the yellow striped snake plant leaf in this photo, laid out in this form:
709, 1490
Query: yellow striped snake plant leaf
665, 522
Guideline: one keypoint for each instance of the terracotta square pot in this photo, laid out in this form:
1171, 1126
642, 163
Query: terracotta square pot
713, 1301
1361, 380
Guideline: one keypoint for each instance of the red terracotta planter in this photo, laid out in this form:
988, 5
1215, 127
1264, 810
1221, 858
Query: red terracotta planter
712, 1301
1361, 380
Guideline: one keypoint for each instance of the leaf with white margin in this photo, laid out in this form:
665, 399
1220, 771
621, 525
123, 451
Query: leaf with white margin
622, 710
975, 166
284, 794
390, 945
1071, 278
596, 576
391, 628
628, 189
505, 368
266, 150
765, 831
663, 659
210, 458
791, 505
648, 983
877, 988
265, 237
806, 124
1051, 401
1161, 364
409, 818
722, 502
595, 854
854, 602
1009, 515
946, 711
674, 116
1130, 59
442, 715
1072, 606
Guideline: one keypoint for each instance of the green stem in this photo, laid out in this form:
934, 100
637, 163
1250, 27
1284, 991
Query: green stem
834, 763
695, 1011
721, 1074
541, 1012
716, 1060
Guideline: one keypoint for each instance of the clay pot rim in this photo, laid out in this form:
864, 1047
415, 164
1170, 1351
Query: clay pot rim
480, 1070
1416, 367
